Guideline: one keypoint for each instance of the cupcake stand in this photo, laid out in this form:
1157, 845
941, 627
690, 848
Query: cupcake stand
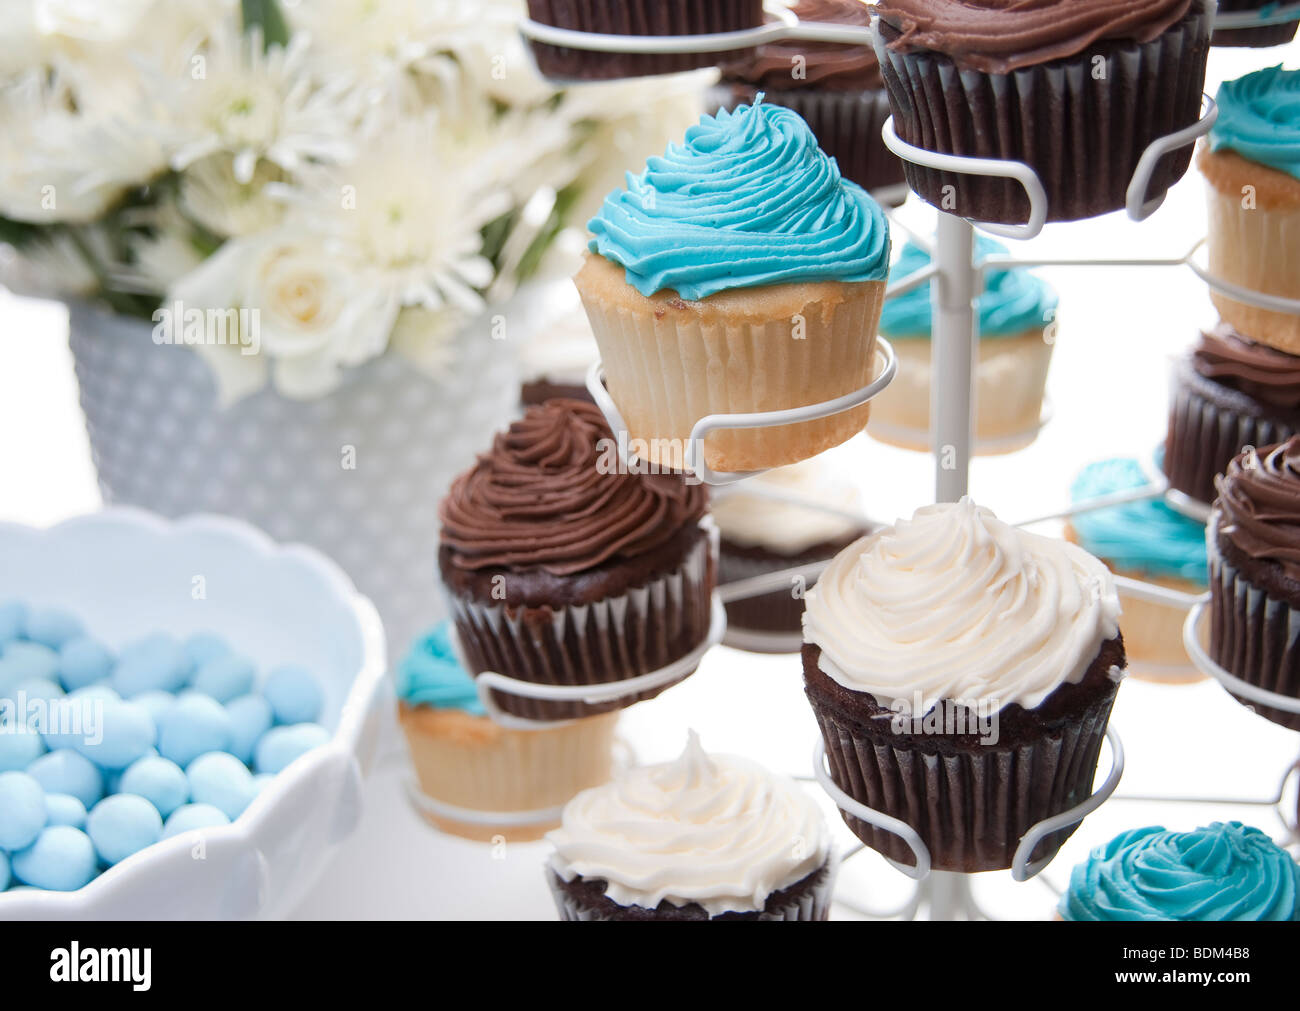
957, 276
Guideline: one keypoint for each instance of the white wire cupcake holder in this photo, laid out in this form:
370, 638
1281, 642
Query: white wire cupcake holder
957, 271
1263, 18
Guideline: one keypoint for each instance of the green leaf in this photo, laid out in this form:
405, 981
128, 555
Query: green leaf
266, 15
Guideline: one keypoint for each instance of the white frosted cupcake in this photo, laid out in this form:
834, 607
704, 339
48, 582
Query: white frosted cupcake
705, 837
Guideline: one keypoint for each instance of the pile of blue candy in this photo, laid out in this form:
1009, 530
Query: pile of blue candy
102, 755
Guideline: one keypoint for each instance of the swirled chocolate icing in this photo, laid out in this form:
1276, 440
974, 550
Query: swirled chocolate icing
1264, 373
998, 36
1259, 505
820, 64
545, 497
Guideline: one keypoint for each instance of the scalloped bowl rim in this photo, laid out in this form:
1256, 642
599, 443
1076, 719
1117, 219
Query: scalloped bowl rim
342, 744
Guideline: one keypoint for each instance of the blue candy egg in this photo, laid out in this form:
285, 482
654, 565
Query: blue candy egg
96, 691
281, 745
64, 809
294, 693
122, 825
62, 859
67, 771
204, 646
157, 703
13, 615
189, 817
250, 718
31, 690
5, 876
24, 661
225, 677
19, 748
83, 661
195, 725
51, 626
22, 810
155, 663
158, 780
222, 780
123, 732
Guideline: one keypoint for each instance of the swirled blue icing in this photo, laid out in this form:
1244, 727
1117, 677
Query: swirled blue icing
1146, 537
430, 675
1222, 872
1013, 301
1259, 118
748, 199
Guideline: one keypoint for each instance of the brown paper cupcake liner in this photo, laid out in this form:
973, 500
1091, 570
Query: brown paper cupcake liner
637, 17
806, 900
1083, 136
1262, 37
847, 127
612, 639
777, 611
970, 803
1209, 424
1253, 635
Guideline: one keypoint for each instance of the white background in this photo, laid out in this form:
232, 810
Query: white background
1119, 328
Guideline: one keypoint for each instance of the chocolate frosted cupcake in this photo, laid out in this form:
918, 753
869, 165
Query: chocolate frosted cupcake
705, 837
962, 673
782, 519
636, 17
1228, 393
836, 88
1220, 873
1076, 89
1253, 540
1257, 37
1252, 165
562, 570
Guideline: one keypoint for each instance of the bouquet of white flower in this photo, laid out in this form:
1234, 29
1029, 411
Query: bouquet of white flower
316, 182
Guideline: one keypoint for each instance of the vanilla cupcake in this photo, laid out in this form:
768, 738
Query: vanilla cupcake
962, 672
1015, 314
464, 760
738, 273
705, 837
782, 519
1252, 165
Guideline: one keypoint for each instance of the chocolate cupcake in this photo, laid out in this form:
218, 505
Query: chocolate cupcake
782, 519
562, 569
705, 837
962, 673
1258, 37
636, 17
836, 88
1076, 89
1253, 542
1228, 393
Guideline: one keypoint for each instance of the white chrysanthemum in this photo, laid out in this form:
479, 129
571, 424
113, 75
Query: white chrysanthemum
411, 208
54, 265
161, 248
427, 338
375, 39
212, 196
251, 104
66, 158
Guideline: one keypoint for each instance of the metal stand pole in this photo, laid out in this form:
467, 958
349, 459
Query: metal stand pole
953, 356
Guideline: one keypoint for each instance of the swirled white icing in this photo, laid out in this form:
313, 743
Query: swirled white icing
955, 604
717, 830
790, 509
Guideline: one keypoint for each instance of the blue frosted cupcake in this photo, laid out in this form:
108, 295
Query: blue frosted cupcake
1016, 319
739, 272
464, 760
1148, 541
1221, 872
